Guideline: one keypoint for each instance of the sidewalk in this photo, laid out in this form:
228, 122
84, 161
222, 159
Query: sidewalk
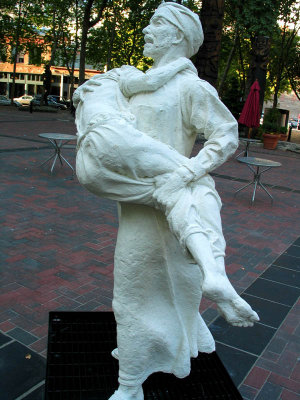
57, 247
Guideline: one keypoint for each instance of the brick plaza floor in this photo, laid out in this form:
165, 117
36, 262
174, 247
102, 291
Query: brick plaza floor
57, 243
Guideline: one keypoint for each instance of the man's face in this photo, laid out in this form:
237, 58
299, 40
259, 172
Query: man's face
159, 36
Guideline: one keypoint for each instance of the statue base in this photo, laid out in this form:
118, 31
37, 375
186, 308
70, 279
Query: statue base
80, 365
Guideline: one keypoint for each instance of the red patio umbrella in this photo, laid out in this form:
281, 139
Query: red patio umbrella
250, 113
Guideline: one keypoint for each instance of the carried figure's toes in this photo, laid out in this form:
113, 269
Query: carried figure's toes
237, 312
232, 307
115, 353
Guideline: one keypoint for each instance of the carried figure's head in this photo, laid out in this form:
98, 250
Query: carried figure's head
173, 30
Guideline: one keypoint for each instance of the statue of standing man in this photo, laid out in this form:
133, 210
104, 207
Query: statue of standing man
170, 247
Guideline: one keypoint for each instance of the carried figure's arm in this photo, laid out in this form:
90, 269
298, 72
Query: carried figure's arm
133, 81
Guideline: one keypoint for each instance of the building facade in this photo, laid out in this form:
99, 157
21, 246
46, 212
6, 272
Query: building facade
29, 78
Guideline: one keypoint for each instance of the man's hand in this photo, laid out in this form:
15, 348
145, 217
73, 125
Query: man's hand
169, 190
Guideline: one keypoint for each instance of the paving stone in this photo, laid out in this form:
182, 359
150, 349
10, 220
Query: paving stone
297, 242
29, 372
37, 394
257, 377
57, 240
288, 395
269, 391
236, 362
22, 336
274, 291
248, 392
282, 275
4, 339
270, 313
293, 251
289, 262
253, 340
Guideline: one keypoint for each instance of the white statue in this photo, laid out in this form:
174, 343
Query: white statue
135, 133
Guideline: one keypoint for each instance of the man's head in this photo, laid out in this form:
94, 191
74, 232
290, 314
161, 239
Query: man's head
173, 26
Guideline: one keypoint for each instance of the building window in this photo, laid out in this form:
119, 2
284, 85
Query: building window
20, 60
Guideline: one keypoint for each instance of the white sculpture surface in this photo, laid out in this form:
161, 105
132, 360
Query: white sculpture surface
135, 134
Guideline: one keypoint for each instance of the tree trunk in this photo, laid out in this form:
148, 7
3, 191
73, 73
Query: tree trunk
86, 25
258, 66
243, 77
207, 58
229, 60
13, 88
111, 43
85, 29
12, 94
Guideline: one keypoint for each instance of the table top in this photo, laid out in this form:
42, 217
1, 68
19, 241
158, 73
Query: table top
259, 162
58, 136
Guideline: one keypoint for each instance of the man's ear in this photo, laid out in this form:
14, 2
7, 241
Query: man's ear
179, 37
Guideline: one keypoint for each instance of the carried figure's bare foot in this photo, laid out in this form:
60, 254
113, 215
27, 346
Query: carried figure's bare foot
231, 306
128, 393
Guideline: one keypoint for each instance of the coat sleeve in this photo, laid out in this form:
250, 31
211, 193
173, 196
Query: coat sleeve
210, 116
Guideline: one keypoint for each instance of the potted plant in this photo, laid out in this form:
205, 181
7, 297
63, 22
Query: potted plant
271, 129
283, 133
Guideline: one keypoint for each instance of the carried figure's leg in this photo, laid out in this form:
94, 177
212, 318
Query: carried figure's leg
207, 246
193, 214
216, 285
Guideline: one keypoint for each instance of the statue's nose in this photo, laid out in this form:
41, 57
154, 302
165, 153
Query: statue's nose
146, 30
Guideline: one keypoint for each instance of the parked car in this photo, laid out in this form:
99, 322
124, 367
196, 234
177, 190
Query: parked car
5, 101
294, 123
24, 100
36, 101
262, 118
60, 100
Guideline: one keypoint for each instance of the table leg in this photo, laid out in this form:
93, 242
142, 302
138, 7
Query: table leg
67, 163
56, 155
254, 192
256, 181
247, 149
244, 152
48, 159
57, 148
265, 189
244, 187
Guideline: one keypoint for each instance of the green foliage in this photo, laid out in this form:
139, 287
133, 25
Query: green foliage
232, 94
120, 40
247, 19
283, 53
117, 39
18, 27
272, 121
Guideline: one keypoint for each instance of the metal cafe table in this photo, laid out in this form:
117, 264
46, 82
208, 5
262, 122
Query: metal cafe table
58, 140
248, 143
258, 163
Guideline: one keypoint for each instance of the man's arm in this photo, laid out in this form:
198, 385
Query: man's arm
210, 116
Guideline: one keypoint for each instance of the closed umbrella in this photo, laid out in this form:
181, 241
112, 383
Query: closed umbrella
250, 112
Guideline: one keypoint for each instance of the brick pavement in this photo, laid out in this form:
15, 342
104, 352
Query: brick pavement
58, 240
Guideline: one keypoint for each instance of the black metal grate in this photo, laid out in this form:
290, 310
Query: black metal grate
80, 366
